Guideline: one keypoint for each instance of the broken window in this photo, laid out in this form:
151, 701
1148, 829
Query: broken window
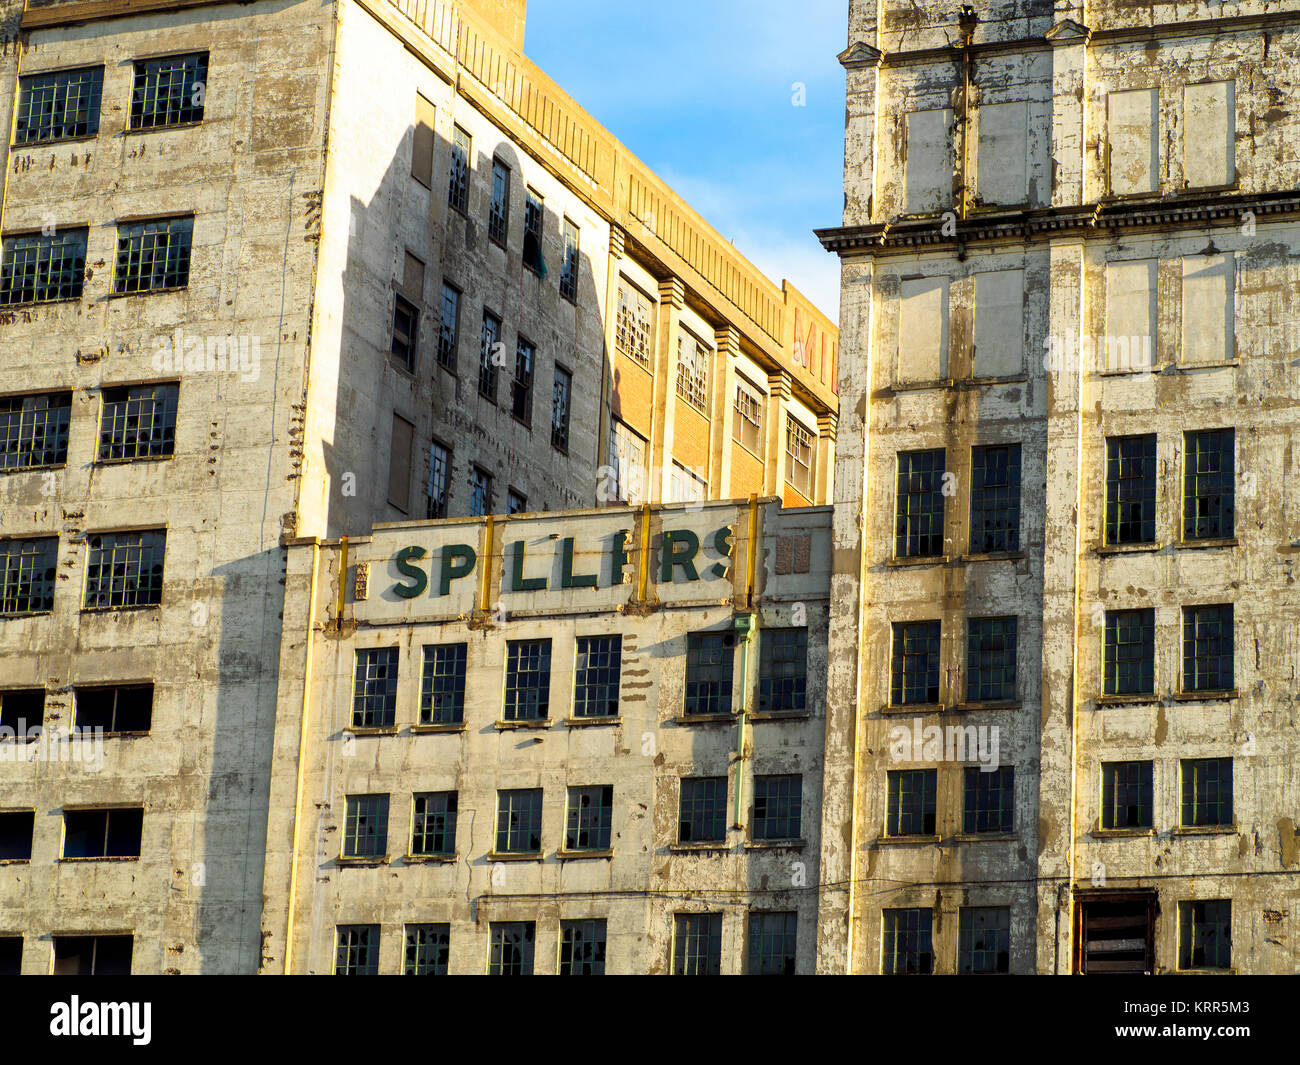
458, 184
442, 684
991, 660
1132, 119
1206, 793
693, 358
561, 396
597, 674
521, 386
984, 939
590, 819
27, 575
92, 955
449, 327
634, 324
582, 948
11, 955
1208, 636
1205, 934
534, 224
374, 693
488, 363
422, 142
128, 708
914, 672
516, 502
480, 494
42, 269
906, 946
125, 569
1209, 485
747, 426
138, 422
1130, 652
928, 164
511, 949
428, 949
21, 711
773, 938
406, 324
433, 823
918, 522
169, 91
702, 813
499, 209
1209, 134
34, 430
400, 444
1126, 794
922, 330
626, 457
58, 105
365, 828
782, 670
988, 800
152, 256
16, 835
1131, 489
528, 680
569, 272
1209, 309
685, 486
911, 802
519, 821
697, 944
710, 661
778, 807
1115, 933
800, 443
113, 833
357, 950
439, 487
995, 499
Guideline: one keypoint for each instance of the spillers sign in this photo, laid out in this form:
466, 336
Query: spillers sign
680, 551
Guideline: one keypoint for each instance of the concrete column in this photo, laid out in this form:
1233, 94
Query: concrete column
861, 63
822, 474
722, 419
616, 249
672, 298
1070, 185
778, 400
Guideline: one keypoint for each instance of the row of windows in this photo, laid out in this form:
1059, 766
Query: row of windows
100, 833
111, 709
710, 668
123, 569
75, 955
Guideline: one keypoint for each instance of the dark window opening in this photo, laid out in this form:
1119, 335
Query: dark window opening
989, 800
995, 499
16, 835
1126, 794
918, 522
591, 819
92, 955
914, 672
710, 658
1131, 490
911, 802
111, 833
34, 430
702, 816
907, 946
120, 709
528, 680
599, 667
169, 91
582, 948
21, 711
138, 422
519, 821
442, 684
365, 829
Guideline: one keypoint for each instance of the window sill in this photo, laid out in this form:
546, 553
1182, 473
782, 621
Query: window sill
1009, 379
912, 708
1192, 367
591, 722
720, 847
507, 726
430, 859
29, 738
1203, 972
362, 863
146, 292
119, 609
903, 841
372, 730
1126, 549
531, 856
21, 304
23, 861
519, 421
780, 715
29, 614
578, 856
986, 837
420, 730
162, 128
1135, 371
1123, 833
917, 386
704, 719
34, 469
1183, 831
990, 704
1207, 545
1206, 697
927, 560
103, 858
1128, 700
88, 733
133, 461
775, 844
57, 142
993, 556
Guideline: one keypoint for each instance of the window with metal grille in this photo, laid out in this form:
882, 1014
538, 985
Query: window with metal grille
906, 946
59, 105
93, 955
406, 323
747, 423
528, 680
499, 210
697, 944
439, 488
596, 676
693, 372
782, 670
582, 948
1208, 653
169, 91
778, 807
112, 833
138, 422
561, 395
42, 269
1130, 652
511, 952
918, 521
21, 710
984, 939
991, 660
1209, 485
1205, 934
458, 185
125, 569
489, 359
590, 819
569, 271
911, 801
442, 684
125, 708
702, 815
153, 255
710, 664
914, 670
27, 569
365, 831
433, 823
521, 385
449, 327
989, 800
1207, 792
519, 821
480, 495
800, 443
374, 692
634, 324
11, 955
773, 938
16, 835
1126, 789
34, 430
534, 223
357, 951
995, 499
428, 949
1131, 489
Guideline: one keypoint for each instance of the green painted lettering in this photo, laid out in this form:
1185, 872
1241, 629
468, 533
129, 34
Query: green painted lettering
418, 578
567, 577
450, 571
672, 558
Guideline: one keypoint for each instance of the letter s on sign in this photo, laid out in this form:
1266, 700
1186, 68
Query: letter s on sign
419, 579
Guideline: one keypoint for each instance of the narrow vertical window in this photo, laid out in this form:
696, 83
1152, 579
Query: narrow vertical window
442, 684
918, 521
710, 658
1131, 490
1205, 934
374, 692
984, 939
1126, 794
480, 483
449, 327
1130, 652
534, 225
439, 487
561, 396
569, 272
914, 674
528, 680
597, 673
489, 359
499, 210
458, 182
1208, 653
800, 445
365, 830
521, 385
1209, 485
995, 499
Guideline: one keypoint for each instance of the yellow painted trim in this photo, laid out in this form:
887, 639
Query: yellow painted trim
485, 575
643, 556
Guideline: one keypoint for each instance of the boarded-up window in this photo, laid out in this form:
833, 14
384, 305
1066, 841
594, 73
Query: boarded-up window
928, 164
1002, 154
999, 323
1209, 134
1132, 120
1130, 343
399, 463
1208, 308
413, 279
422, 146
923, 330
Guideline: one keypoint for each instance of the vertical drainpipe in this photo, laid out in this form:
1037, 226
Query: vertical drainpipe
966, 21
746, 625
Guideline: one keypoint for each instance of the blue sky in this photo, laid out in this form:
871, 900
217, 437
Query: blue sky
701, 90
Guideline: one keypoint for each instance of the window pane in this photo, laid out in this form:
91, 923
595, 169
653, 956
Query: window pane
442, 684
59, 105
374, 698
1126, 790
991, 660
1130, 652
41, 269
911, 802
599, 667
914, 677
782, 670
709, 667
153, 255
1131, 490
703, 814
528, 680
125, 569
918, 525
169, 91
984, 940
906, 947
1209, 488
995, 499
